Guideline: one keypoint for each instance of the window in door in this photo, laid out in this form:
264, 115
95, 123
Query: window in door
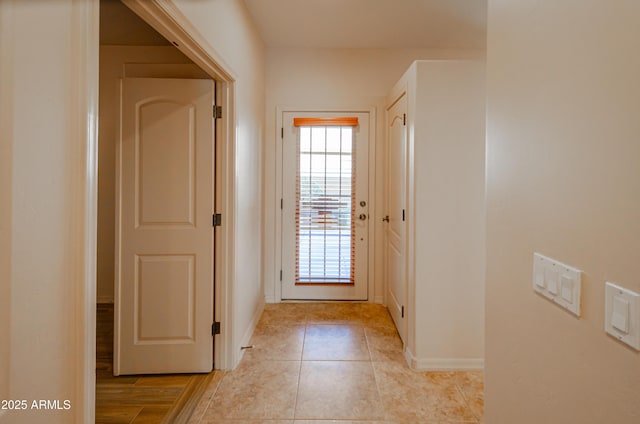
325, 203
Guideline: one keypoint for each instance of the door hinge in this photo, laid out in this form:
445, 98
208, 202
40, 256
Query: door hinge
402, 215
281, 203
281, 132
215, 328
217, 219
404, 119
280, 275
217, 112
402, 311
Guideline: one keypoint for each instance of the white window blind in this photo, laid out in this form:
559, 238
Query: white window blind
325, 202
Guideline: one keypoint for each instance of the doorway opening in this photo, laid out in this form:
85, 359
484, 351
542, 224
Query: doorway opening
174, 66
325, 205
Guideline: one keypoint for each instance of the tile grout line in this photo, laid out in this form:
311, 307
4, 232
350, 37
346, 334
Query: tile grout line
304, 338
375, 376
366, 340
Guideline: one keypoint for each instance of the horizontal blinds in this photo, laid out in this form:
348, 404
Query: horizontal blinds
326, 122
325, 205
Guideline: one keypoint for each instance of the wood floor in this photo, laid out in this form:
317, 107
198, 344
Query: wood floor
140, 399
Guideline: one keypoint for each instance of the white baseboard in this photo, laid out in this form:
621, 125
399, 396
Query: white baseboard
443, 364
104, 299
246, 337
379, 299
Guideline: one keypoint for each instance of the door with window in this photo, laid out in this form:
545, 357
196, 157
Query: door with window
325, 206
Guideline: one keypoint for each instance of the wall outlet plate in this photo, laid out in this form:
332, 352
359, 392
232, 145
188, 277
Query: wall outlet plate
558, 282
622, 314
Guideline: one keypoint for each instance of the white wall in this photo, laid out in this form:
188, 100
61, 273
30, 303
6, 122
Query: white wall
48, 80
447, 123
112, 61
332, 78
563, 179
228, 28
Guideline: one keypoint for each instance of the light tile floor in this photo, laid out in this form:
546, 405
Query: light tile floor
335, 362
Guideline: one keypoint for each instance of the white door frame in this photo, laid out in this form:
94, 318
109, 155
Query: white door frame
169, 21
277, 242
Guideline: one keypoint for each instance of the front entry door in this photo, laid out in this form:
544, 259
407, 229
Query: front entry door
325, 206
165, 192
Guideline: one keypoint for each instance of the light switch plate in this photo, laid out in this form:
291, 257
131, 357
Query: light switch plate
622, 314
558, 282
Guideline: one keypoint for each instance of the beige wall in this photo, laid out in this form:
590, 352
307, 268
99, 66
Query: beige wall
6, 187
228, 28
446, 218
563, 179
49, 74
333, 78
112, 60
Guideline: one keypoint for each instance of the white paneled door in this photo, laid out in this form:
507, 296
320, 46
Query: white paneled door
396, 195
165, 194
325, 206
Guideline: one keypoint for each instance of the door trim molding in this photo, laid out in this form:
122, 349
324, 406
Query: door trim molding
169, 21
277, 242
84, 106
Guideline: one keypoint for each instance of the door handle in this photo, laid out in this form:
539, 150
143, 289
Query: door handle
363, 217
386, 218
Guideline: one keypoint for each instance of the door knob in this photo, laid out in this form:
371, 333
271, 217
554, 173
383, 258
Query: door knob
386, 218
363, 217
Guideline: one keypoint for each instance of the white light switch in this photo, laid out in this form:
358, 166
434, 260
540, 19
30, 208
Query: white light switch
622, 314
557, 282
566, 289
551, 279
539, 279
620, 317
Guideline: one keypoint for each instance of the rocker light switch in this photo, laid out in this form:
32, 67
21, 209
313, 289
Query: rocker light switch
620, 318
551, 278
566, 288
622, 314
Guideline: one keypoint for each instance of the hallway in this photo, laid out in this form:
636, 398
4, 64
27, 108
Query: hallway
312, 362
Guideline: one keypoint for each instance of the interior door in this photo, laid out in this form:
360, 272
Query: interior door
325, 206
164, 240
396, 228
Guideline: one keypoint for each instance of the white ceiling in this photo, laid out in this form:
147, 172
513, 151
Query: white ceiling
443, 24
